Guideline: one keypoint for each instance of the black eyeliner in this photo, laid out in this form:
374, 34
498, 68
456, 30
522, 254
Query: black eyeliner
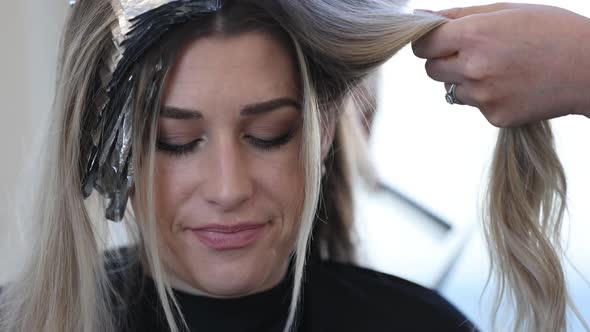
272, 143
264, 144
177, 149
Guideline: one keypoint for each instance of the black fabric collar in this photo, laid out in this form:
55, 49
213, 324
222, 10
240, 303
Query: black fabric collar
265, 311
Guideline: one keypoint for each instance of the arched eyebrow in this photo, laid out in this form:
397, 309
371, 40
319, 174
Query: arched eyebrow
179, 113
269, 106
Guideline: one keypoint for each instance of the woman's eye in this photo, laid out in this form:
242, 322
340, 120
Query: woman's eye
177, 150
270, 144
260, 143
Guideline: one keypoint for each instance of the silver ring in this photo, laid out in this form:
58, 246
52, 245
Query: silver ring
451, 97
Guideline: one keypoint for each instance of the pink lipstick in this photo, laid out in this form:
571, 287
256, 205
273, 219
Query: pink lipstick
223, 237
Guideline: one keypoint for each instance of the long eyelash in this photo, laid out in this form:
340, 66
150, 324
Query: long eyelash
271, 144
177, 150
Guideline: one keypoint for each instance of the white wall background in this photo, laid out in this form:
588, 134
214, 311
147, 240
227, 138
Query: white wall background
434, 153
29, 35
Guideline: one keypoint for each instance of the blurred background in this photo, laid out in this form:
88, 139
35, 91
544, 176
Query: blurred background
431, 160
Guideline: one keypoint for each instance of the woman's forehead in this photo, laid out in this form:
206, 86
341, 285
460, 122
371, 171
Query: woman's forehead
242, 68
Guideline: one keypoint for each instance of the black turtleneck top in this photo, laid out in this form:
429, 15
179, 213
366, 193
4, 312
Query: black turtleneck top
336, 297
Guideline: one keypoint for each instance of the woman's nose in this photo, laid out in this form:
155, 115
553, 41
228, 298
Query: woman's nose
228, 183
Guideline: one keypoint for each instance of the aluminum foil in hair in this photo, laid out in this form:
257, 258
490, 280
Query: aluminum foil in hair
106, 150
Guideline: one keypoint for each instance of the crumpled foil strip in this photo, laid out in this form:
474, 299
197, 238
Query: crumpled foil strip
107, 152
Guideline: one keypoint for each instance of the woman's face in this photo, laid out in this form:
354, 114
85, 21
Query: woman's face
229, 178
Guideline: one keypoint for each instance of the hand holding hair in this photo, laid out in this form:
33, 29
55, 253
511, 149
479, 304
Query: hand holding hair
517, 63
520, 65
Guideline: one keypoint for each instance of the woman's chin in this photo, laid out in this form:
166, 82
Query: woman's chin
254, 268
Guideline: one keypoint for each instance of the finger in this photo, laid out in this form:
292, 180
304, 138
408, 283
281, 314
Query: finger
441, 42
461, 94
455, 13
446, 69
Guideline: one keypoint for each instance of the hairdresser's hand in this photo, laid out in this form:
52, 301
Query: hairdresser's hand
516, 63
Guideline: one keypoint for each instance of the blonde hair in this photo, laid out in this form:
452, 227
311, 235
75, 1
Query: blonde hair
526, 202
64, 285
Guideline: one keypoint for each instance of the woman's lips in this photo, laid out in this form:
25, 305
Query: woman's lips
219, 237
